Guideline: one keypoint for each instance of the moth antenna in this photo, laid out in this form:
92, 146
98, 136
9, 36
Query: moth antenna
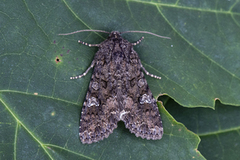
146, 33
85, 30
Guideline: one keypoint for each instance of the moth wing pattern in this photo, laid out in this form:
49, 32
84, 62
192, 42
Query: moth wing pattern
100, 108
140, 111
118, 91
140, 114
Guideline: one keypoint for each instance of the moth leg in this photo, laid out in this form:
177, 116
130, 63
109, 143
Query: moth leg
147, 73
139, 41
87, 44
84, 74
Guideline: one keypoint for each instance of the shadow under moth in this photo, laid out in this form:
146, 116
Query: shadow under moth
118, 91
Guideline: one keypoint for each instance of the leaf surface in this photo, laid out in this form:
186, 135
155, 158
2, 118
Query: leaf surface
218, 129
40, 105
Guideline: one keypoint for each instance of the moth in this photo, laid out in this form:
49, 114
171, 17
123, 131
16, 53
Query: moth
118, 91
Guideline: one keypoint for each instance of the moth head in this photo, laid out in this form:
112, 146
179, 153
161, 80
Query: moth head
115, 35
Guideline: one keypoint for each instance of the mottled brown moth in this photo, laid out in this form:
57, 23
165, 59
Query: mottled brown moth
118, 91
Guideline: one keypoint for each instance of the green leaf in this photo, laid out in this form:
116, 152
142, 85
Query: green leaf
39, 127
40, 105
218, 129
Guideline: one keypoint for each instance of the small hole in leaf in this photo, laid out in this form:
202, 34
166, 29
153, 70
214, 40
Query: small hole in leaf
57, 59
